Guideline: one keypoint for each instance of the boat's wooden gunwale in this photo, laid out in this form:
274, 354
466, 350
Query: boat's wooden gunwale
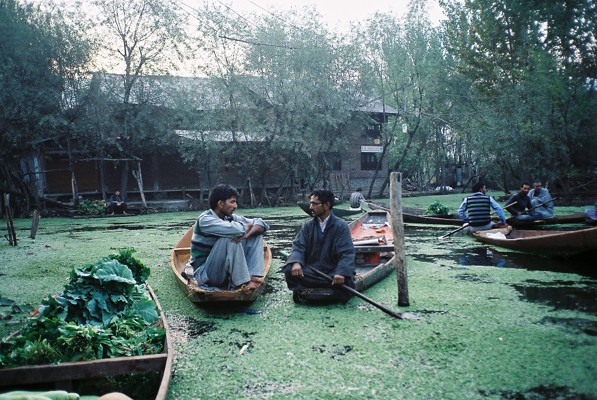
548, 241
179, 257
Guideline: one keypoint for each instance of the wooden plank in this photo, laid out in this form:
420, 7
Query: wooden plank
81, 370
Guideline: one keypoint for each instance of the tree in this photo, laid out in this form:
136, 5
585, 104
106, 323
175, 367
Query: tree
530, 84
146, 36
404, 62
42, 53
288, 90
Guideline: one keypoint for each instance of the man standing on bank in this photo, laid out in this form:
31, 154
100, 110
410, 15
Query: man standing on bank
476, 209
325, 244
226, 249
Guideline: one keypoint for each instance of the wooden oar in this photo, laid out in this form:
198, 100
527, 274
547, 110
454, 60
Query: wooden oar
367, 299
467, 224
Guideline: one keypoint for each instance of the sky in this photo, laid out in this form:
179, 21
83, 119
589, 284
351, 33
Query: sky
337, 14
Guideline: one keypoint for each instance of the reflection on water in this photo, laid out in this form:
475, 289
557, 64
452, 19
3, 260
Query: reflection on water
467, 252
422, 244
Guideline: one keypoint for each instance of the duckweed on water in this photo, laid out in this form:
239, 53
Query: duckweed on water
484, 332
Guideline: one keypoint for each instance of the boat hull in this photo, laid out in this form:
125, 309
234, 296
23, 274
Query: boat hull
545, 242
339, 212
413, 216
178, 260
576, 218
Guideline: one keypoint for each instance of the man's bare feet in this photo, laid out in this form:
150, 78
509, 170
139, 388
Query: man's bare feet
258, 279
252, 285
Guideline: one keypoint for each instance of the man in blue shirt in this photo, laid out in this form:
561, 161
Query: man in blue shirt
476, 209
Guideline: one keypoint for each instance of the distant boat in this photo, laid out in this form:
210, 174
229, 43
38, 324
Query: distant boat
541, 241
576, 218
412, 215
338, 212
373, 239
178, 260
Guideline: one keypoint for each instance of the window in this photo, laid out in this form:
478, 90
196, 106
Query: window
369, 161
373, 131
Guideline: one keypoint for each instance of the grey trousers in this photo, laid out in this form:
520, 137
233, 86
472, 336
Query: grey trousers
231, 262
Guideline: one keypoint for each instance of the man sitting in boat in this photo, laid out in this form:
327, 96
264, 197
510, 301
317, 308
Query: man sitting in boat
541, 199
591, 213
323, 243
520, 210
475, 210
226, 249
356, 198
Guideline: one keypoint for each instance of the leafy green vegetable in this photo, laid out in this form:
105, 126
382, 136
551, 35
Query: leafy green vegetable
102, 312
438, 208
125, 257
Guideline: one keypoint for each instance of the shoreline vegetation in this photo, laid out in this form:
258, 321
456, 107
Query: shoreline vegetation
484, 332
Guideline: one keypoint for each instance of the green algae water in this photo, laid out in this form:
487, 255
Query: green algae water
492, 325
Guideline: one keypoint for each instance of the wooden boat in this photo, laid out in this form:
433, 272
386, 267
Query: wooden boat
374, 245
373, 238
543, 242
181, 254
412, 215
576, 218
63, 376
338, 212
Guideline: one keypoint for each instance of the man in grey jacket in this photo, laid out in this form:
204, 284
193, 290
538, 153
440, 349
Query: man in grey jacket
325, 244
226, 249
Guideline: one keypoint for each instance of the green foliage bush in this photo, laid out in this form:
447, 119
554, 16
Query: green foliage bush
438, 208
95, 207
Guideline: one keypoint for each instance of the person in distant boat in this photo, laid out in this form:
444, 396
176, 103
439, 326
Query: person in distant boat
116, 204
592, 213
476, 209
520, 210
356, 197
541, 200
226, 249
323, 243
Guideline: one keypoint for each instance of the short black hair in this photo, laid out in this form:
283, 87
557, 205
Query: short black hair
324, 195
478, 186
221, 192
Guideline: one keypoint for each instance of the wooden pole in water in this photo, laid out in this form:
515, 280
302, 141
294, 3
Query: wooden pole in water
12, 235
398, 230
34, 223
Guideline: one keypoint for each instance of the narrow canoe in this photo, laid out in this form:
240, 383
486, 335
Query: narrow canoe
338, 212
181, 254
545, 242
373, 261
62, 376
373, 238
414, 216
576, 218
